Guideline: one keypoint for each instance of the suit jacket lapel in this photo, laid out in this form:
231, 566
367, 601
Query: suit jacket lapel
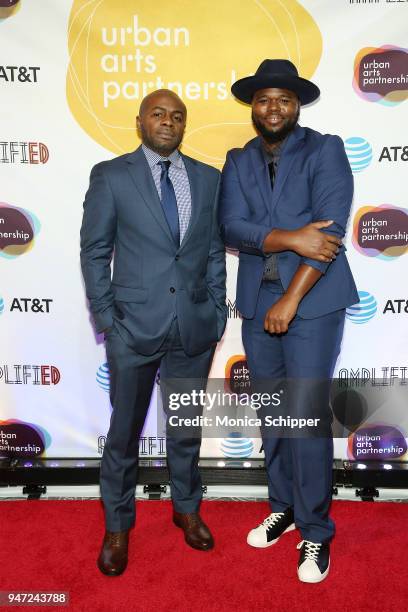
293, 146
144, 183
260, 168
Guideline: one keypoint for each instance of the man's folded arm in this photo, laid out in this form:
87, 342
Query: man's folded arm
332, 192
236, 231
97, 241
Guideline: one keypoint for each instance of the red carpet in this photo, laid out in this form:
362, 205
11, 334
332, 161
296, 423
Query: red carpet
53, 545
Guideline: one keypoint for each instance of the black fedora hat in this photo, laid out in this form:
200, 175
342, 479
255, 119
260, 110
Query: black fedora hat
276, 73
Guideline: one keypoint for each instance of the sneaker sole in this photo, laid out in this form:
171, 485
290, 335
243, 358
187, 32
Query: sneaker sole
272, 542
316, 580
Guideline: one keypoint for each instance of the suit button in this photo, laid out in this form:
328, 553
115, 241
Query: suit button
177, 257
172, 290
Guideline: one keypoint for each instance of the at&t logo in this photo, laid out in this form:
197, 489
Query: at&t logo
364, 310
394, 154
102, 377
236, 446
35, 305
359, 153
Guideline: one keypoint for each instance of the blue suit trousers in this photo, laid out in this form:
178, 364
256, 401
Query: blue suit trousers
132, 376
299, 469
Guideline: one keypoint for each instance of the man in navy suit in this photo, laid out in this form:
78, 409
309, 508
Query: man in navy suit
285, 202
164, 305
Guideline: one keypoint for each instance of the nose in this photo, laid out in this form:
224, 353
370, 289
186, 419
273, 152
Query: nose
167, 119
273, 104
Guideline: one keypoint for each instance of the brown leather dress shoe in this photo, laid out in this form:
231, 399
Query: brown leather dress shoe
196, 533
113, 557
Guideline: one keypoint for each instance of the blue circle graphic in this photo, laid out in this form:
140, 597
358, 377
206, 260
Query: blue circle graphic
359, 153
364, 310
102, 377
235, 445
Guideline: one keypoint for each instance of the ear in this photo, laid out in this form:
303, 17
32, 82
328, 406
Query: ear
139, 127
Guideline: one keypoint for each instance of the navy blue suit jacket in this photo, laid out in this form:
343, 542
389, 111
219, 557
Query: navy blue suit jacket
153, 279
313, 183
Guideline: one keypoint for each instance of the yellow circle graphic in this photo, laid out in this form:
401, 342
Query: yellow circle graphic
121, 51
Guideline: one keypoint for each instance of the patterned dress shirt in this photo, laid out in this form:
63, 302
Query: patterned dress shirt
179, 178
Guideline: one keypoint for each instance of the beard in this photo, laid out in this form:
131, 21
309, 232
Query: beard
274, 136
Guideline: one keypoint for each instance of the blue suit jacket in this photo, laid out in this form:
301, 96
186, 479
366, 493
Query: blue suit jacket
313, 183
152, 277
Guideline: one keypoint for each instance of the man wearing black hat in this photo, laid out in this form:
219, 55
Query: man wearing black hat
285, 202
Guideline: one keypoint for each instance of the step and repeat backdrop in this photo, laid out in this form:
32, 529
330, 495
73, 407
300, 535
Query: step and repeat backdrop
72, 75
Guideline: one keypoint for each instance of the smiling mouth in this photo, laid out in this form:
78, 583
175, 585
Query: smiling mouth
274, 119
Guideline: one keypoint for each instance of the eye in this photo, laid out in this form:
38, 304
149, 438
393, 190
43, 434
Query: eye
178, 118
157, 114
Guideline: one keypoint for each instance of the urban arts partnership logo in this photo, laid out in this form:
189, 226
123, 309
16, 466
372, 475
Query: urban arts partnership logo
8, 8
135, 51
20, 439
359, 153
381, 74
364, 310
381, 231
237, 375
377, 441
18, 229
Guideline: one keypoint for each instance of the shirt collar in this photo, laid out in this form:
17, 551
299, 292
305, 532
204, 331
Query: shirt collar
154, 158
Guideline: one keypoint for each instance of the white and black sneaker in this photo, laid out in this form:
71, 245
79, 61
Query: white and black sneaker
314, 561
269, 532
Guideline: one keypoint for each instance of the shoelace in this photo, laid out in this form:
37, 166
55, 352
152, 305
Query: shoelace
115, 539
272, 519
312, 549
192, 519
